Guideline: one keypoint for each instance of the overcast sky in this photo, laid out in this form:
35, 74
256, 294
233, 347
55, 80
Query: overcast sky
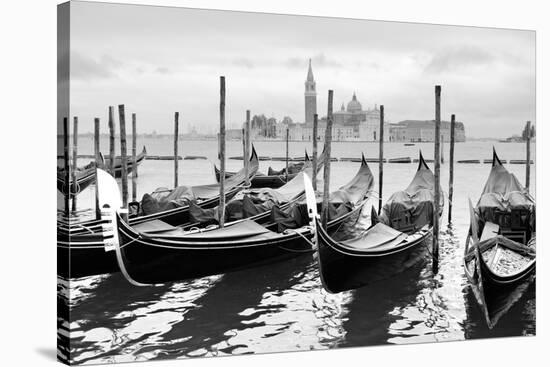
158, 60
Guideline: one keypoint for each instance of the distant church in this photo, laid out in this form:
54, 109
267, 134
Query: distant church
351, 123
310, 96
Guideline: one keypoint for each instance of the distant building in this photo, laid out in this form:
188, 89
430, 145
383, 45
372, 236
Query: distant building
310, 96
424, 130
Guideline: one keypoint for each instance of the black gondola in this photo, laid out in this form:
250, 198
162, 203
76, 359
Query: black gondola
170, 253
129, 164
85, 176
82, 244
274, 178
500, 251
396, 240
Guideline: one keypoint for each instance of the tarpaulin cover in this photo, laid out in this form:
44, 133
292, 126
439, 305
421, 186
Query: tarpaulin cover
165, 199
292, 168
377, 238
503, 191
412, 208
504, 194
296, 215
244, 205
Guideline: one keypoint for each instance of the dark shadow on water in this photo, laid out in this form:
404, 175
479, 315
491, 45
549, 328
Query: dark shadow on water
520, 318
370, 311
220, 311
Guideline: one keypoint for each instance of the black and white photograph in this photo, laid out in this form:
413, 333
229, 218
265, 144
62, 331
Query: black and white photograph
236, 182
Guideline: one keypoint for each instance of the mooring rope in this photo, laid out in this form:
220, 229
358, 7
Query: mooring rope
311, 243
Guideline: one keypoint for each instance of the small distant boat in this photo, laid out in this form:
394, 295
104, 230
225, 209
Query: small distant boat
375, 160
520, 161
409, 144
84, 177
400, 160
500, 251
129, 165
396, 240
194, 157
274, 178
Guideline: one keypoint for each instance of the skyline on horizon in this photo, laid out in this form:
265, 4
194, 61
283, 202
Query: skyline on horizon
159, 60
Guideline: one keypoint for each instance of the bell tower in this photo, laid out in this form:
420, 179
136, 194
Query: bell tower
310, 95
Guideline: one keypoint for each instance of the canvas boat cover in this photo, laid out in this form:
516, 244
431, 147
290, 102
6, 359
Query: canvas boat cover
250, 202
503, 191
377, 238
239, 231
165, 199
412, 208
504, 194
292, 169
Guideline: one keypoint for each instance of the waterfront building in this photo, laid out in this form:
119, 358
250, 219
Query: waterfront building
424, 131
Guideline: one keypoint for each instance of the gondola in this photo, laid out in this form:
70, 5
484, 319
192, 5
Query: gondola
83, 243
274, 178
129, 165
84, 177
500, 251
396, 240
169, 253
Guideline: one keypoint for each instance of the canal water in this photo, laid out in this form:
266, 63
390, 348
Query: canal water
282, 306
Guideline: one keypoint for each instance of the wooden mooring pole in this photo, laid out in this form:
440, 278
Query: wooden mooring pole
381, 159
134, 158
442, 149
314, 162
221, 207
246, 155
98, 164
123, 159
451, 167
326, 169
66, 165
286, 168
176, 135
75, 158
437, 163
112, 140
528, 157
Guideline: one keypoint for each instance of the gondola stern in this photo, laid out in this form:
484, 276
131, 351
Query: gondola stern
421, 162
496, 159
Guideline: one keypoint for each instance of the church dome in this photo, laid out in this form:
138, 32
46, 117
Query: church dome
354, 105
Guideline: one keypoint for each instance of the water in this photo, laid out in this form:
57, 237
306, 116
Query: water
282, 306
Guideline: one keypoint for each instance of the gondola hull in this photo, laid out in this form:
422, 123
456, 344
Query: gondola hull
84, 179
91, 258
496, 294
151, 260
83, 260
262, 181
497, 285
341, 270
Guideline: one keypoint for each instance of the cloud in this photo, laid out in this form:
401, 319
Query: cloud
319, 60
453, 60
163, 70
87, 68
243, 62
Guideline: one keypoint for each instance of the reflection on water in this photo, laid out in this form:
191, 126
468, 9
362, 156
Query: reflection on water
282, 306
